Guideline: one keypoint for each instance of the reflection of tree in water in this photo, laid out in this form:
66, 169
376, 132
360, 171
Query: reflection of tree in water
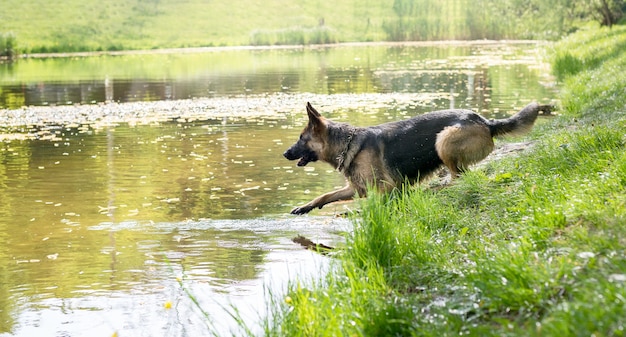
195, 198
222, 168
7, 301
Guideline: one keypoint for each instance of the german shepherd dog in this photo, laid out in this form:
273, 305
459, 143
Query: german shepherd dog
387, 155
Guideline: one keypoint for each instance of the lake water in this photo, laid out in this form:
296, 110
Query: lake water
118, 228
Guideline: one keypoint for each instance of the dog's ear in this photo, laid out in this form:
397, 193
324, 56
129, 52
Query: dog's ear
315, 119
311, 111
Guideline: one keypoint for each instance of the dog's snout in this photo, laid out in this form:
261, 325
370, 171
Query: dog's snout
289, 154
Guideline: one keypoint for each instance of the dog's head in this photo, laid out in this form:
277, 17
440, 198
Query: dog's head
309, 147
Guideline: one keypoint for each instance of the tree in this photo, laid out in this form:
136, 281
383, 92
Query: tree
609, 11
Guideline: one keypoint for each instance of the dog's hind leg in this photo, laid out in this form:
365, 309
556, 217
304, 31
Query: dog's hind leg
345, 193
460, 146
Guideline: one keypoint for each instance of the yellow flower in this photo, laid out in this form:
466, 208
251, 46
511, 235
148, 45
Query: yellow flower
168, 305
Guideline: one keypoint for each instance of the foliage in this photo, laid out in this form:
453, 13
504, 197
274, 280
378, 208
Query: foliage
531, 245
490, 19
607, 12
294, 36
8, 46
442, 20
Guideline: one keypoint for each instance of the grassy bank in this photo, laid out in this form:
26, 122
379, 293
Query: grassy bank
530, 245
88, 25
76, 25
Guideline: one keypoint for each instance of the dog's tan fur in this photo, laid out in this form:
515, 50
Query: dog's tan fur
460, 147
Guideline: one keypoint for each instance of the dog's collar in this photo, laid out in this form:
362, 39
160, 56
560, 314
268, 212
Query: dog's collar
341, 158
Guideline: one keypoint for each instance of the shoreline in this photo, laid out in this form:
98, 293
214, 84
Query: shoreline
192, 50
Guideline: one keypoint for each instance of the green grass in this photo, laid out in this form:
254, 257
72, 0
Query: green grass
294, 36
531, 245
77, 25
88, 25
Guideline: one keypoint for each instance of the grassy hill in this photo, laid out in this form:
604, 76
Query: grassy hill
73, 25
88, 25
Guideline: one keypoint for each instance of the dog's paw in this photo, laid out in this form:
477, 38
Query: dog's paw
302, 210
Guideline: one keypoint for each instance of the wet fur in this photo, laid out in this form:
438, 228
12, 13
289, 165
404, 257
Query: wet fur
386, 155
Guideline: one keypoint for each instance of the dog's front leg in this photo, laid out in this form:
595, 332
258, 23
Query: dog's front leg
345, 193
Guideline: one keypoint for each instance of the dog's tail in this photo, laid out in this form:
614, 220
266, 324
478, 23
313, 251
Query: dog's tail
519, 123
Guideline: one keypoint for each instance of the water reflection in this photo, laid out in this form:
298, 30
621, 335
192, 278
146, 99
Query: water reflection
132, 78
